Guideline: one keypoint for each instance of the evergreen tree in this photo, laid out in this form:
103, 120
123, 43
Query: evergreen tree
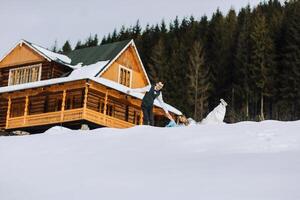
145, 45
203, 27
79, 45
158, 63
54, 47
95, 41
104, 40
109, 39
114, 36
199, 80
241, 83
88, 42
137, 30
163, 27
273, 11
290, 61
66, 47
124, 34
91, 41
215, 57
229, 49
262, 68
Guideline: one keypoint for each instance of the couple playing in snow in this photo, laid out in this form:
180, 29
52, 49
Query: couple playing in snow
151, 93
154, 92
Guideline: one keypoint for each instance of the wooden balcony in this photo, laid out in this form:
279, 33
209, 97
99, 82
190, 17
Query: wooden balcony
94, 105
66, 116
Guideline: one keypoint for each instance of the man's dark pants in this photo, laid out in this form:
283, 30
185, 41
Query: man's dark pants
148, 115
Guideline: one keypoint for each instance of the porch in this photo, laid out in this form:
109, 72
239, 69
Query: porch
87, 101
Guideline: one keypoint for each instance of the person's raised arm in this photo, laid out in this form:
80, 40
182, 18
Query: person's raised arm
164, 106
144, 89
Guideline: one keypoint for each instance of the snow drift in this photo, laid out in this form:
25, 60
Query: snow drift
248, 161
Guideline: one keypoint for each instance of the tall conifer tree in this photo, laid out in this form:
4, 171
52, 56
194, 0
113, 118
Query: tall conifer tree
262, 60
66, 47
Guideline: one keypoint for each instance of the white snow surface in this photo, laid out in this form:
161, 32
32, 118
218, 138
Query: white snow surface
88, 70
243, 161
52, 55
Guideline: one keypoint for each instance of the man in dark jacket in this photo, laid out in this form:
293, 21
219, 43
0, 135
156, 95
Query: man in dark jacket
152, 92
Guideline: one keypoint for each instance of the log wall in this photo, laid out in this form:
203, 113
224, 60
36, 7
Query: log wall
3, 112
119, 109
74, 99
17, 107
37, 104
96, 100
49, 70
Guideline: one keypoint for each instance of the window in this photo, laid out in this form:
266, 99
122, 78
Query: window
26, 74
125, 76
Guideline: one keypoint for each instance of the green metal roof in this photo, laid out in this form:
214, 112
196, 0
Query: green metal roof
91, 55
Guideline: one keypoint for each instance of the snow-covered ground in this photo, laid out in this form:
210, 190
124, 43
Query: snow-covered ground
243, 161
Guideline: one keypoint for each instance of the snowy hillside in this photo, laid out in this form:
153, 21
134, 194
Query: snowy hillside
244, 161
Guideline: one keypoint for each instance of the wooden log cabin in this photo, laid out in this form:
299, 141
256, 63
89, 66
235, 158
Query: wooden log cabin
40, 88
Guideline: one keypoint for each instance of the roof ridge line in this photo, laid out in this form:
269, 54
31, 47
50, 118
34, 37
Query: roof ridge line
102, 45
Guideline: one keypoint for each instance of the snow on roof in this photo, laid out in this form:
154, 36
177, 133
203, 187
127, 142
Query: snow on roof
88, 70
37, 84
49, 55
52, 55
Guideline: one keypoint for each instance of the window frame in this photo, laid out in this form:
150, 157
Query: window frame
22, 68
119, 75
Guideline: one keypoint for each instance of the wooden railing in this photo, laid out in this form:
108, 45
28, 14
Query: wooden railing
105, 120
66, 116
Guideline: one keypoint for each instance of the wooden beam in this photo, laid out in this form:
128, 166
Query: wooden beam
23, 93
50, 88
141, 118
66, 86
97, 86
105, 103
101, 88
26, 108
86, 91
8, 111
63, 103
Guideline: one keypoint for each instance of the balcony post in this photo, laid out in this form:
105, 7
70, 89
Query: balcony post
63, 103
86, 90
105, 103
26, 108
141, 118
8, 111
